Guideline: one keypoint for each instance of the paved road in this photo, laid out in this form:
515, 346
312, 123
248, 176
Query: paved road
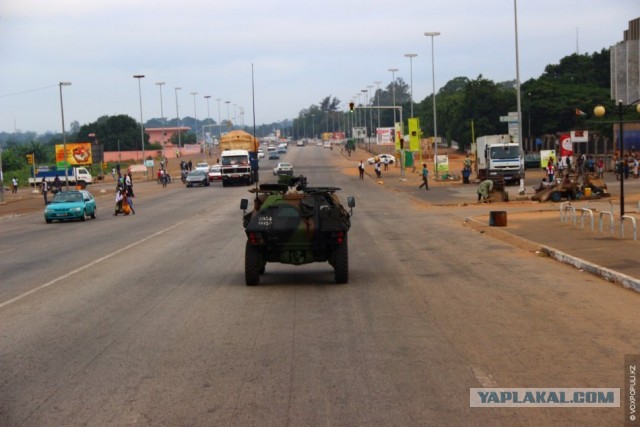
145, 319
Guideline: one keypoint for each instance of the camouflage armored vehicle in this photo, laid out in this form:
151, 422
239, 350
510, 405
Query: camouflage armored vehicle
296, 226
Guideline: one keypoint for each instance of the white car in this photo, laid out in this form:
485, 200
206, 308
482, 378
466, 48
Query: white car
260, 154
202, 167
327, 144
283, 169
215, 173
390, 159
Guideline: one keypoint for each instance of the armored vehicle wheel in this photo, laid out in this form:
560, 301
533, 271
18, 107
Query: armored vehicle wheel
341, 265
556, 196
252, 265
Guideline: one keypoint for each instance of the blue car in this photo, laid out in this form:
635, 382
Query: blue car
76, 204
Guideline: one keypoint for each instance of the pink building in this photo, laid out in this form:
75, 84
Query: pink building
155, 134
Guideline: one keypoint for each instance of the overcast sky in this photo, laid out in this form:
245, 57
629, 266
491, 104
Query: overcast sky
301, 51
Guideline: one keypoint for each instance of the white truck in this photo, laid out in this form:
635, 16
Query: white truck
78, 175
239, 158
498, 158
236, 167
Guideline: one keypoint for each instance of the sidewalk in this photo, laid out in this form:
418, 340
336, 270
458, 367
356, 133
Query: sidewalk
534, 226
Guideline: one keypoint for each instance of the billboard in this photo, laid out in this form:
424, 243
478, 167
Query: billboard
384, 136
78, 153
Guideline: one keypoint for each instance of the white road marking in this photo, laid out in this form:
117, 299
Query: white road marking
91, 264
485, 379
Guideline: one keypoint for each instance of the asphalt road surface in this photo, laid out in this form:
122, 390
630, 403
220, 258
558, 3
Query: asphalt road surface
146, 319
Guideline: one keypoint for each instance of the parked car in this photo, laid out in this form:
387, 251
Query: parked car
274, 155
283, 169
202, 167
75, 204
215, 173
532, 160
197, 177
391, 159
326, 144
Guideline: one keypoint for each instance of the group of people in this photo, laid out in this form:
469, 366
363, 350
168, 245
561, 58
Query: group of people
628, 166
124, 195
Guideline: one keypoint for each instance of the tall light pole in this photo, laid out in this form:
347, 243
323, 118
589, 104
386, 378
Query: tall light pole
219, 124
313, 126
393, 91
141, 76
600, 111
178, 116
378, 98
366, 102
518, 97
64, 137
160, 84
195, 113
370, 111
411, 56
529, 123
235, 115
207, 97
433, 86
228, 119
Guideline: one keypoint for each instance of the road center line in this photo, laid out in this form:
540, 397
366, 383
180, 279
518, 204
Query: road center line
91, 264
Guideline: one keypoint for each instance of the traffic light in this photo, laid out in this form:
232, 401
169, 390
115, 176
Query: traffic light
30, 159
351, 105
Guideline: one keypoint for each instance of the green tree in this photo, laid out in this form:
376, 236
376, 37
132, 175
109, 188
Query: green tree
114, 132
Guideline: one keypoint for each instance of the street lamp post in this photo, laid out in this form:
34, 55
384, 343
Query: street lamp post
599, 111
313, 126
64, 137
219, 124
160, 84
433, 86
393, 92
378, 98
178, 116
529, 122
195, 113
411, 56
207, 97
372, 133
227, 102
140, 76
366, 128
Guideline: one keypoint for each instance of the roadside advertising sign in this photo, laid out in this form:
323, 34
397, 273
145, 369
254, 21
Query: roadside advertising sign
78, 153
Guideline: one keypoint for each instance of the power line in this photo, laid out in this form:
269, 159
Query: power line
27, 91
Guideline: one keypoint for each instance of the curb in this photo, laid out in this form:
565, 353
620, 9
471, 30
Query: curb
526, 244
606, 273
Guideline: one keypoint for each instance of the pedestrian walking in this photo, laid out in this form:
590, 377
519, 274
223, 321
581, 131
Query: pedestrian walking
14, 185
128, 182
386, 163
425, 177
361, 169
45, 190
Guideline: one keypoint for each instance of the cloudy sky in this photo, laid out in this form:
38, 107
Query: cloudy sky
301, 51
